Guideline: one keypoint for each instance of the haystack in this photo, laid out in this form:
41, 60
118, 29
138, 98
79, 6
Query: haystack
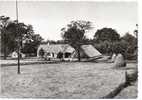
113, 57
119, 61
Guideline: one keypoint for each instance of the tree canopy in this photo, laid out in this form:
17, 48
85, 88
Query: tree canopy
129, 38
74, 33
11, 31
106, 34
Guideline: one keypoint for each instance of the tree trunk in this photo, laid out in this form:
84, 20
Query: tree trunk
5, 55
78, 51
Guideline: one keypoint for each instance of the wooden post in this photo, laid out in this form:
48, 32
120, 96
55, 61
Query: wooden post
18, 39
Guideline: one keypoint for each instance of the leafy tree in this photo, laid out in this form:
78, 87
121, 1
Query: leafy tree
104, 47
106, 34
74, 33
11, 32
120, 47
131, 44
31, 42
129, 38
4, 21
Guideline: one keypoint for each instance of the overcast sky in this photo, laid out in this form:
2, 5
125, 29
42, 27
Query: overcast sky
49, 17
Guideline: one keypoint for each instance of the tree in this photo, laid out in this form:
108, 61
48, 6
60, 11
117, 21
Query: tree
129, 38
10, 35
120, 47
106, 34
12, 32
31, 41
131, 44
4, 21
31, 45
74, 33
104, 47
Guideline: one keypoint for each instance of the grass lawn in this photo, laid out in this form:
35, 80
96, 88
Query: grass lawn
62, 80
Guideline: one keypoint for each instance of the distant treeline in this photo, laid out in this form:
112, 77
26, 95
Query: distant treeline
108, 43
106, 40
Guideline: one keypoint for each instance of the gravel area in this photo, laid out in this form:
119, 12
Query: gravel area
64, 80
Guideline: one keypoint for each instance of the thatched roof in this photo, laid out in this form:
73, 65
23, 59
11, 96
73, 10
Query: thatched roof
90, 51
56, 48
